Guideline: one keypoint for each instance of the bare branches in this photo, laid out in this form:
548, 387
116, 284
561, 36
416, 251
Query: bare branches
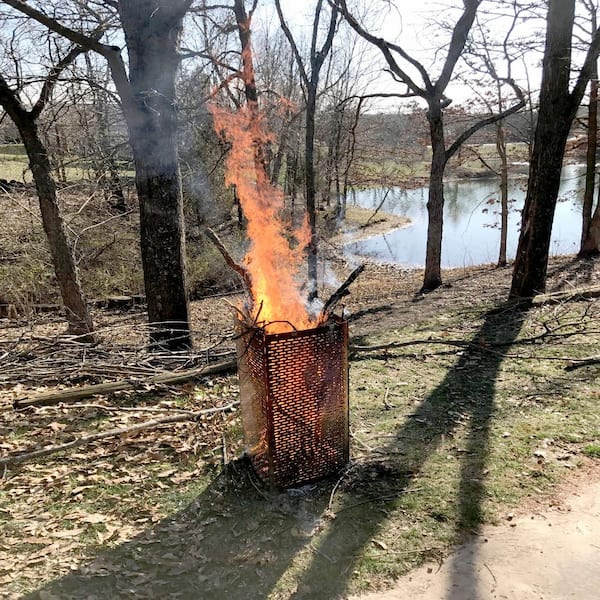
74, 394
111, 53
386, 48
465, 135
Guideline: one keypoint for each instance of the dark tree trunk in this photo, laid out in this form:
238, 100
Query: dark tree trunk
590, 238
77, 313
309, 171
557, 109
152, 29
432, 278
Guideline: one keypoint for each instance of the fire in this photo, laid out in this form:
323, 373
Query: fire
277, 249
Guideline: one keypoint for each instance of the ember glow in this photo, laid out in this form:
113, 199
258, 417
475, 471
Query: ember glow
277, 250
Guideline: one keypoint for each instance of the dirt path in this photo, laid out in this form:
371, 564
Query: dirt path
552, 553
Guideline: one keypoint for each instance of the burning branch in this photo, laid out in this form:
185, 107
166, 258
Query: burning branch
339, 294
241, 271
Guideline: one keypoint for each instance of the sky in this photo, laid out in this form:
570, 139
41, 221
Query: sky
412, 25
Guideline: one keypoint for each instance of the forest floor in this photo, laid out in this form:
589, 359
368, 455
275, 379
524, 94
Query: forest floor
466, 411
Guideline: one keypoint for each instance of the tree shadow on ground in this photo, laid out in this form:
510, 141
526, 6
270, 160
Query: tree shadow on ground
237, 539
234, 541
437, 418
573, 272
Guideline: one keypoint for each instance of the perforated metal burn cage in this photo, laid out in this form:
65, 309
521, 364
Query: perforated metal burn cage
294, 401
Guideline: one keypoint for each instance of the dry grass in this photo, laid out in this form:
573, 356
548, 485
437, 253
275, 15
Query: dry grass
444, 438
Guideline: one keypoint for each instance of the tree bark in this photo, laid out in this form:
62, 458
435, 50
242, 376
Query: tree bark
152, 29
590, 166
77, 313
501, 148
557, 109
432, 278
310, 187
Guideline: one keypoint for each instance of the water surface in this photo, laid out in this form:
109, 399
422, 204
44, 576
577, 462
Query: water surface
471, 221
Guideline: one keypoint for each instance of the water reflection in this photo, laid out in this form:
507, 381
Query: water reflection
471, 221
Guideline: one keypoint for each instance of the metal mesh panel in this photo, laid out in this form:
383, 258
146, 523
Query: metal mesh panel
294, 401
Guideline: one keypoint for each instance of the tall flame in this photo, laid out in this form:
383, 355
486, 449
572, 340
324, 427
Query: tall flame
276, 250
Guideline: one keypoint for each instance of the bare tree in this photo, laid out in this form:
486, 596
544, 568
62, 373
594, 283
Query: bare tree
152, 29
480, 57
590, 227
399, 61
26, 121
310, 74
557, 108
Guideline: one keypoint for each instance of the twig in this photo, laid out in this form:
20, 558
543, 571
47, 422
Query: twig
337, 485
241, 271
224, 445
87, 439
382, 498
559, 297
576, 363
151, 409
493, 576
73, 394
339, 294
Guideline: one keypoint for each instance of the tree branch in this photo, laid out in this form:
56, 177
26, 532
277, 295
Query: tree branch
465, 135
88, 439
111, 53
385, 47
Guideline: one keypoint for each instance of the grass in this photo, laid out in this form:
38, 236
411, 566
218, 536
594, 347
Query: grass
444, 440
14, 165
592, 450
396, 169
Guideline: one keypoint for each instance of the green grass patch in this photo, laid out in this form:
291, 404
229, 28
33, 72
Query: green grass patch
592, 450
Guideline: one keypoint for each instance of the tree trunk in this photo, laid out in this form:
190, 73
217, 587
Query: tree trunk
555, 116
591, 246
152, 29
501, 148
78, 316
309, 166
435, 205
587, 245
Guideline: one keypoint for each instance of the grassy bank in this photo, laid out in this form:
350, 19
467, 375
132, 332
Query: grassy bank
464, 409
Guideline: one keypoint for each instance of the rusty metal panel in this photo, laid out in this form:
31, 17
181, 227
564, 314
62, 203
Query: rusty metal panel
294, 401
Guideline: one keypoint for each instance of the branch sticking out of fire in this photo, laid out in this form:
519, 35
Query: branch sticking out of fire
342, 291
246, 278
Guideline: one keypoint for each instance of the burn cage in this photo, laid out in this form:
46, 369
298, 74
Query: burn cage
294, 401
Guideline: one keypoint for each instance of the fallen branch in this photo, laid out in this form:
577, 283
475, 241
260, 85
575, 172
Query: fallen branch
88, 439
387, 192
558, 297
136, 409
76, 393
241, 271
339, 294
576, 363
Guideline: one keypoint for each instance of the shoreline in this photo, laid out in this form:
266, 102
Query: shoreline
357, 227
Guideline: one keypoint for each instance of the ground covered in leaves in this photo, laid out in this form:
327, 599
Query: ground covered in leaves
463, 408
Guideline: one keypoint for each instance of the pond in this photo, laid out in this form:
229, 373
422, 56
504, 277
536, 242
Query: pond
471, 221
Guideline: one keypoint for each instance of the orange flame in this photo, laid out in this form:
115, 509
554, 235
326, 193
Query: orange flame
273, 259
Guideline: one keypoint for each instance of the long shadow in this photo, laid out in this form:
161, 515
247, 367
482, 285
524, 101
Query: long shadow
468, 390
233, 541
237, 539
